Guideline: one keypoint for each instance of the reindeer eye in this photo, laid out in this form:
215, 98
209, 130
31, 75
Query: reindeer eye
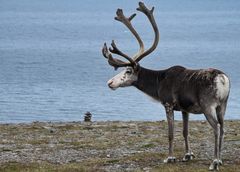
128, 72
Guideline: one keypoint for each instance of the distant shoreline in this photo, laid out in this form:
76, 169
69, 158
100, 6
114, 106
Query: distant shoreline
104, 121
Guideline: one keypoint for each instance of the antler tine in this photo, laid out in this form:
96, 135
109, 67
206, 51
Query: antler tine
112, 61
149, 14
115, 50
127, 22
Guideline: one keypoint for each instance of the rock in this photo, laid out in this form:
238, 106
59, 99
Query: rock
147, 169
87, 117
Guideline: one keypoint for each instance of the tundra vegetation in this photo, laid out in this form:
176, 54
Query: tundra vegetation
111, 146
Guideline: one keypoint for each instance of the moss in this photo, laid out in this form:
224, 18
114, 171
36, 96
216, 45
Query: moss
44, 167
113, 161
148, 145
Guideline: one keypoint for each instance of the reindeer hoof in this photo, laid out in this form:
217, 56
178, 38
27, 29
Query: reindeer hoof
215, 165
170, 160
188, 157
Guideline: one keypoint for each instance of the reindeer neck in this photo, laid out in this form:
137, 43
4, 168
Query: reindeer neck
149, 81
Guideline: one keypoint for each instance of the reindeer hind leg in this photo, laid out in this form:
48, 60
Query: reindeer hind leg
220, 117
211, 116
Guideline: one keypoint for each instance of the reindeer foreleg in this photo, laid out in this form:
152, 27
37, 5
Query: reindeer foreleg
188, 153
170, 119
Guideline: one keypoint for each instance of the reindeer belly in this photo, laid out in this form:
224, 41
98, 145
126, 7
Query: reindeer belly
188, 104
195, 109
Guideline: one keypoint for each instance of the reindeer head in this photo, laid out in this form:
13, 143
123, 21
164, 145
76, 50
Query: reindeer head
124, 78
130, 74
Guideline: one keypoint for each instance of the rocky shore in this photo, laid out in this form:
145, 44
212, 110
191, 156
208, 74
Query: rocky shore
111, 146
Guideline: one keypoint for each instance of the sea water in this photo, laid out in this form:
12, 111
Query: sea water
52, 69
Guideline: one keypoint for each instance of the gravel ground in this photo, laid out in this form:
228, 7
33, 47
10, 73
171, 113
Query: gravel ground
111, 146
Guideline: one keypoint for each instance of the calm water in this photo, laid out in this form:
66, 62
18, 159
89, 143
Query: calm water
51, 67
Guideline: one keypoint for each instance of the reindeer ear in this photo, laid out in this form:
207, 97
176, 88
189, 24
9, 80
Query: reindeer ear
136, 67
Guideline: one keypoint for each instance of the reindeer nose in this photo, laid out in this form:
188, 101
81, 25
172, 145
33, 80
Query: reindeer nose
109, 83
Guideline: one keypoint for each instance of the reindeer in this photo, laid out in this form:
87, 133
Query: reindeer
176, 88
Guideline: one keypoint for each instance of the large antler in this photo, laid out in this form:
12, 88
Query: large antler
116, 62
127, 22
149, 14
140, 54
113, 61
